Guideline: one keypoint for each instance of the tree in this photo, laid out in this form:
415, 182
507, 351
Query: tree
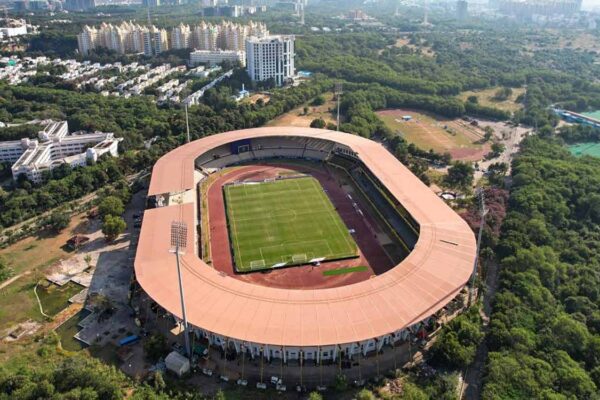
318, 101
473, 99
497, 172
318, 123
88, 260
413, 392
365, 394
220, 395
457, 343
488, 133
57, 221
112, 227
315, 396
497, 149
503, 94
111, 205
5, 270
155, 347
460, 174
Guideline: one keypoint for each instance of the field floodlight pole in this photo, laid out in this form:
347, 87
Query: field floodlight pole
187, 123
338, 94
482, 211
178, 246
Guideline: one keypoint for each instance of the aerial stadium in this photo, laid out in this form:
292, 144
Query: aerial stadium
304, 247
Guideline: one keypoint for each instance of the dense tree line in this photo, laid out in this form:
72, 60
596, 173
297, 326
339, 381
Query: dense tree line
545, 329
578, 133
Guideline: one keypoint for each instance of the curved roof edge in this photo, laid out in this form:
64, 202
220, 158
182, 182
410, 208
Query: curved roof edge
432, 274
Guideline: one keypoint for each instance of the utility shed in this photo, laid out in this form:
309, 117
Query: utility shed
177, 363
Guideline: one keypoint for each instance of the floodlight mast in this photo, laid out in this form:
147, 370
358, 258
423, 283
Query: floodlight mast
338, 93
178, 246
187, 123
483, 211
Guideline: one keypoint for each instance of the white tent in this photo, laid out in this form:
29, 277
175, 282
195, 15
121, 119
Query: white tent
177, 363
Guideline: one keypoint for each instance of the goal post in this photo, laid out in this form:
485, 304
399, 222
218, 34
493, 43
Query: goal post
299, 258
257, 264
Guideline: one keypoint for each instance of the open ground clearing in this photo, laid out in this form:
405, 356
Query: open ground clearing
427, 131
41, 250
425, 50
29, 258
296, 117
486, 98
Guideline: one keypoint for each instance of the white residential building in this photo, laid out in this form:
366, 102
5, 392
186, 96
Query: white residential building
13, 27
270, 57
54, 147
214, 57
181, 37
155, 41
129, 37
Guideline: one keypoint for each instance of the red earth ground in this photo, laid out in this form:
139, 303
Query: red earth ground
371, 253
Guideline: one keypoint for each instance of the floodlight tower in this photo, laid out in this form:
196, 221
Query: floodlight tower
187, 123
178, 246
482, 212
338, 94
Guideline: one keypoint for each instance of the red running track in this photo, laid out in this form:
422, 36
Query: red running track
371, 254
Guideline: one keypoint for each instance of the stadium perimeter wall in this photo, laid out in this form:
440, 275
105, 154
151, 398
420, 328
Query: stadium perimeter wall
320, 323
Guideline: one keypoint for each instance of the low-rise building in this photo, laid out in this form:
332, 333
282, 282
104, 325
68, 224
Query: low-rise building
214, 57
13, 27
54, 147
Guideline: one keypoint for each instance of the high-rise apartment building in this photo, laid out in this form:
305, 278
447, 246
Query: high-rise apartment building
129, 37
181, 37
270, 57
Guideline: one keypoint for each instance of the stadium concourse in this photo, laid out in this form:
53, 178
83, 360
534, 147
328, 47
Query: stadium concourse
303, 325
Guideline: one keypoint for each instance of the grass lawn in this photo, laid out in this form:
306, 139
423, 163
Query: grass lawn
18, 303
287, 221
36, 252
55, 298
31, 257
486, 98
348, 270
68, 329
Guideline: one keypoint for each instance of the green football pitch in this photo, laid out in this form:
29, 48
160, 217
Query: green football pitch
284, 222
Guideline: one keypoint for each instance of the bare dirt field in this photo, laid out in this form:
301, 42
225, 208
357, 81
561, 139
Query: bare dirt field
404, 41
255, 97
427, 131
296, 117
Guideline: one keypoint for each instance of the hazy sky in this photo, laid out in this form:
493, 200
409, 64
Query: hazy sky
591, 3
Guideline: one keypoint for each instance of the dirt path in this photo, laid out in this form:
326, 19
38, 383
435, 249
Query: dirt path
473, 376
14, 278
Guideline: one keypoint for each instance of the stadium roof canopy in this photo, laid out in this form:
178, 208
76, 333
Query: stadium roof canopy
427, 279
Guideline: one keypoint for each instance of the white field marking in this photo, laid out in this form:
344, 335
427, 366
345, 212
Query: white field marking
328, 209
343, 230
237, 244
